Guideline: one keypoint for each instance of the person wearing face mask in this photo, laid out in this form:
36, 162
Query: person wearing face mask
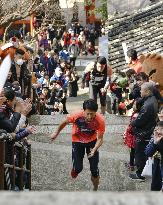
100, 74
20, 72
16, 64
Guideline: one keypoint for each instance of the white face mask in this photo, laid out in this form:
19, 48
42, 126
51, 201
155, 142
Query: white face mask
19, 62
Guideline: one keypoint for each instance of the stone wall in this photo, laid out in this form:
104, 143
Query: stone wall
126, 5
81, 198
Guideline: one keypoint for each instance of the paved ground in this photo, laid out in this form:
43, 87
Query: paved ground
51, 162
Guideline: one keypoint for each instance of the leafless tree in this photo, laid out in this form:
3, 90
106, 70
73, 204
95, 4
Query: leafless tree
13, 10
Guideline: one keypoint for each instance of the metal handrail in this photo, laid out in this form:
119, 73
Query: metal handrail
15, 172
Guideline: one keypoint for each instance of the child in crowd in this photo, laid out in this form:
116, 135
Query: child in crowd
91, 49
129, 138
155, 149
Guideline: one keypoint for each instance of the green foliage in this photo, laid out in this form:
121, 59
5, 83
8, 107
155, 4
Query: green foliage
103, 10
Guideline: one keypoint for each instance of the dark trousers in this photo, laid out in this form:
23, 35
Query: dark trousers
63, 101
78, 152
156, 184
73, 88
72, 61
94, 90
132, 157
140, 157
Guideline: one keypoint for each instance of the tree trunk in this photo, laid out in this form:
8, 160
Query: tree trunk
5, 33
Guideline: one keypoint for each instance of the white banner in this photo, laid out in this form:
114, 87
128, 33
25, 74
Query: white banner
4, 70
124, 45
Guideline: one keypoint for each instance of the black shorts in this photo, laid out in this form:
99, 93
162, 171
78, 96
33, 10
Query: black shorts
94, 90
78, 152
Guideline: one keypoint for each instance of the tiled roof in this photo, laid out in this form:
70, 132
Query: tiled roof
142, 30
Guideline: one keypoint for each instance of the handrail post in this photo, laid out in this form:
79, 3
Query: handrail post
2, 161
21, 166
28, 166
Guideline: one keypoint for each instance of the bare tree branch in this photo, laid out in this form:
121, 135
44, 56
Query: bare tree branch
13, 10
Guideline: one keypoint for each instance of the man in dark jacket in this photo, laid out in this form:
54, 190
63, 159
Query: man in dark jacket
143, 127
8, 118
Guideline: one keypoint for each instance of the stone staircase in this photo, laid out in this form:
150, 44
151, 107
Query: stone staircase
51, 162
141, 30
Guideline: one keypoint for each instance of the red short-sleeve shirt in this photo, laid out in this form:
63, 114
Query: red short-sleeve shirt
83, 131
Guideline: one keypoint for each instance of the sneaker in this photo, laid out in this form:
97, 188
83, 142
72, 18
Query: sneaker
74, 174
65, 112
136, 177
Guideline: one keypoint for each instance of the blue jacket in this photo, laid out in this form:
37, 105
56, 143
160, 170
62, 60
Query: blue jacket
151, 148
64, 55
21, 134
63, 82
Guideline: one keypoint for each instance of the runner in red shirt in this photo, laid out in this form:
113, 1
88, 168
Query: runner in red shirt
87, 135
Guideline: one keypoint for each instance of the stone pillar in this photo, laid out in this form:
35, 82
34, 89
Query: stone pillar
82, 12
67, 8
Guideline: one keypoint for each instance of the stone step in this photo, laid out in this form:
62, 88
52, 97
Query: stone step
51, 166
112, 142
56, 119
73, 198
48, 129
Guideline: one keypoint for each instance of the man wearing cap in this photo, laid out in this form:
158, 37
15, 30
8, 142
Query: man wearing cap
100, 74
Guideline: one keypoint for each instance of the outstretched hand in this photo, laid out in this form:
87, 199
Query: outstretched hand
91, 154
53, 136
31, 129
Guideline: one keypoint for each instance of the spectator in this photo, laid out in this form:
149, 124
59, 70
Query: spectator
9, 118
143, 127
44, 42
155, 149
129, 138
59, 77
66, 39
133, 60
73, 51
64, 55
52, 62
44, 59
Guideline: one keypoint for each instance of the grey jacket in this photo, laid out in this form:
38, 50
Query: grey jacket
73, 50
